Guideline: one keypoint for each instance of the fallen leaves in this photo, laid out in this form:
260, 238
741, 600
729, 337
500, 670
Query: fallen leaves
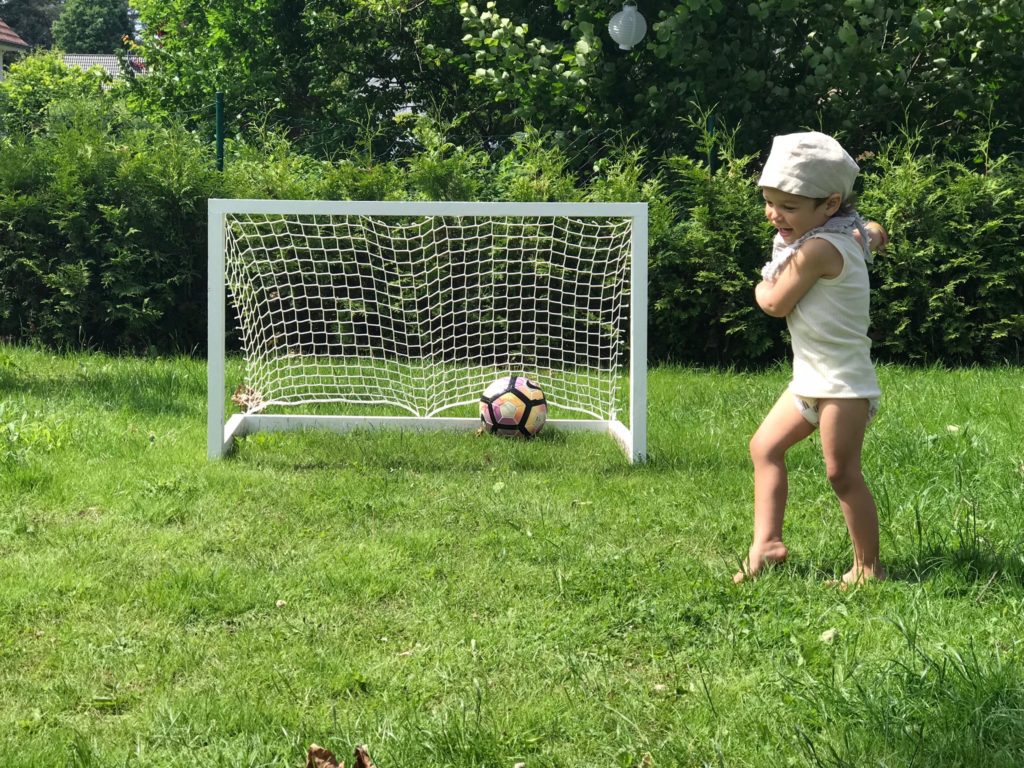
321, 757
247, 398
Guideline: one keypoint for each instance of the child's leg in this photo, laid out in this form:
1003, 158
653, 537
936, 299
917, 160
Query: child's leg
843, 423
782, 428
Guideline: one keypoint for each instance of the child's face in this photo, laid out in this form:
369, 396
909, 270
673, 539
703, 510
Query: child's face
795, 215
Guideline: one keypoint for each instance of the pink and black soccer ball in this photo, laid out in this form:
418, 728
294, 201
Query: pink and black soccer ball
513, 406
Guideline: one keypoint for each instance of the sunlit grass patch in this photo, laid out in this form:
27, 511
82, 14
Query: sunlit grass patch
452, 599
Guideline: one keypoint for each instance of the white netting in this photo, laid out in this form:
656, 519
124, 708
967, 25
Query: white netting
422, 312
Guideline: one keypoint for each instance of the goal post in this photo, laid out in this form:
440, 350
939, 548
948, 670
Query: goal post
377, 314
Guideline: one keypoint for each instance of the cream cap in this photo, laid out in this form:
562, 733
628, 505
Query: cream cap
810, 164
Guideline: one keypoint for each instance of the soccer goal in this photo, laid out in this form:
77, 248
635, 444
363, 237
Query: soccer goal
399, 314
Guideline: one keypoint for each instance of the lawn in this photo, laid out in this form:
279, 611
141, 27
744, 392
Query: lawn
462, 600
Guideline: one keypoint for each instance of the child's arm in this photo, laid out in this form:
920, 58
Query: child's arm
815, 259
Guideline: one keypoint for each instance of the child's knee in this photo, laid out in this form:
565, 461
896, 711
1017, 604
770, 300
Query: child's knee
759, 447
844, 477
754, 446
764, 449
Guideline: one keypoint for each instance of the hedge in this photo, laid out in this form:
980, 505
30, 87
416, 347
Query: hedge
103, 232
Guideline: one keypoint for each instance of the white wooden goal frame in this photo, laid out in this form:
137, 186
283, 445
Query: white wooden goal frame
221, 433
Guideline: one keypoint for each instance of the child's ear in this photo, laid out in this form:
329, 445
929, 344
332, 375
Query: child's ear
833, 203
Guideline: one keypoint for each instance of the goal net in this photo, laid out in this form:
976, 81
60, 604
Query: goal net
400, 314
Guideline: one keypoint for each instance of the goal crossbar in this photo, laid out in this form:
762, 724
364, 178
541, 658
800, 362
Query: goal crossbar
298, 272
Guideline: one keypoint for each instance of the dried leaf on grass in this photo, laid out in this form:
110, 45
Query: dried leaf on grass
363, 759
321, 757
247, 398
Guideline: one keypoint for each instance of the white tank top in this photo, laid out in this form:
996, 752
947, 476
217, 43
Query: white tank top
829, 331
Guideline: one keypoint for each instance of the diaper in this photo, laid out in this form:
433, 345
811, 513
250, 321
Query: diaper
810, 408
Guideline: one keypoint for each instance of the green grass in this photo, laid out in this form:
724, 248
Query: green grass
453, 600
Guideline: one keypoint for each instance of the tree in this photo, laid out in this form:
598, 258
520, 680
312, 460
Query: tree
35, 83
332, 72
31, 19
852, 67
92, 26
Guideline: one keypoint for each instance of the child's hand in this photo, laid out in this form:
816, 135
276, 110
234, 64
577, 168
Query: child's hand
877, 236
877, 230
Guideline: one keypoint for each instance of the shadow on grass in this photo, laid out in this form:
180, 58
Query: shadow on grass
967, 572
552, 451
970, 567
145, 389
440, 452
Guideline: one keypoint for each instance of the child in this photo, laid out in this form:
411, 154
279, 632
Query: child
817, 280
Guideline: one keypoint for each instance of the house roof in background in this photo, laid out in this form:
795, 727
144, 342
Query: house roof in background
107, 61
9, 40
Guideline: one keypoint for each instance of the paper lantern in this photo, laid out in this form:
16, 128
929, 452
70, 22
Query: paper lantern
627, 27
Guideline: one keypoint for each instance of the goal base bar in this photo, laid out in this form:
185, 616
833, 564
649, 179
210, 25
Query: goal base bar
244, 424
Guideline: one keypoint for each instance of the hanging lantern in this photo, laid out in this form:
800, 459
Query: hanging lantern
627, 27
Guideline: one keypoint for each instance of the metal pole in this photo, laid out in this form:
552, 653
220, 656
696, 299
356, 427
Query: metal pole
220, 130
638, 339
215, 344
712, 144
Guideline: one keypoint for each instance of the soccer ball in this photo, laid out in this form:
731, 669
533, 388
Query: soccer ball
513, 406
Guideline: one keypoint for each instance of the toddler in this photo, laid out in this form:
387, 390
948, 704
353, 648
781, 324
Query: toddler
818, 280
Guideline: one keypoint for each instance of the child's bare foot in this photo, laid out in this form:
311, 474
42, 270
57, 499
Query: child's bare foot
760, 556
862, 574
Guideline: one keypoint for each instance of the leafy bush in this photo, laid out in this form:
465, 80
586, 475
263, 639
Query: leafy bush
103, 235
950, 288
363, 179
269, 167
947, 67
154, 252
320, 71
103, 240
36, 82
441, 170
533, 170
703, 273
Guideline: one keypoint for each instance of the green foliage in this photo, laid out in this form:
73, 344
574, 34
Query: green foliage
771, 66
314, 70
37, 81
529, 75
361, 179
702, 274
103, 236
848, 65
92, 26
950, 287
102, 240
254, 53
319, 71
441, 170
534, 170
153, 263
270, 167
